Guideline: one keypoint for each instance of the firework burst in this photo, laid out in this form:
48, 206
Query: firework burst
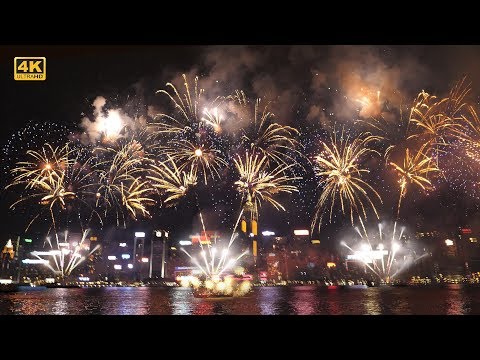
389, 127
186, 106
339, 168
257, 183
204, 159
414, 170
189, 137
119, 185
430, 122
265, 136
171, 181
437, 121
56, 178
213, 118
382, 252
64, 257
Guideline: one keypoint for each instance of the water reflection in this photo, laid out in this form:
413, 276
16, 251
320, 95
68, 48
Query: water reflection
269, 299
333, 303
301, 300
181, 301
60, 304
455, 301
134, 301
371, 301
304, 300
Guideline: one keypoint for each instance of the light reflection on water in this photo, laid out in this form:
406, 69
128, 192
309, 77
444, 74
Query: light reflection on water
302, 300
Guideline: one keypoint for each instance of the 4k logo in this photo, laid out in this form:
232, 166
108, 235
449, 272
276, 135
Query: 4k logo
30, 68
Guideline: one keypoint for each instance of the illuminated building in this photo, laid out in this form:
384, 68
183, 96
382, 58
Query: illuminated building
469, 249
7, 260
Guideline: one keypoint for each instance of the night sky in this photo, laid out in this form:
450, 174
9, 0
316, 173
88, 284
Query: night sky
311, 88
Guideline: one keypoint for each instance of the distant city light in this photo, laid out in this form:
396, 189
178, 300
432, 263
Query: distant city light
173, 248
158, 233
63, 244
301, 232
125, 256
122, 244
28, 240
83, 278
117, 267
315, 241
130, 266
145, 259
5, 281
49, 280
35, 261
331, 265
166, 234
46, 253
185, 242
449, 242
140, 234
268, 233
112, 257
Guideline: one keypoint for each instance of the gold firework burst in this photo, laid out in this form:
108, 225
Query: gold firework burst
339, 167
172, 181
265, 136
436, 120
134, 198
119, 185
213, 118
186, 105
54, 177
48, 162
414, 170
201, 157
257, 183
